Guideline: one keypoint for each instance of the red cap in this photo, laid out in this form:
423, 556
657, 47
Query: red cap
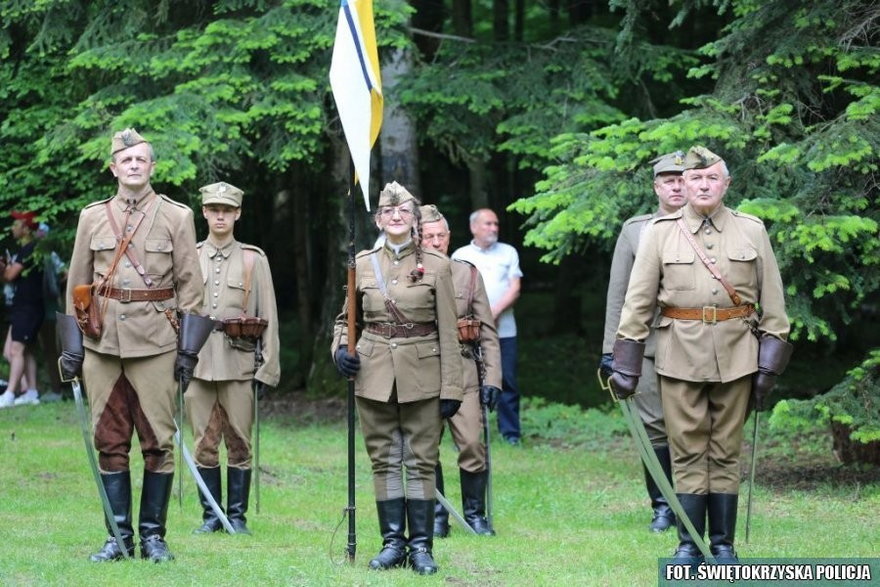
29, 218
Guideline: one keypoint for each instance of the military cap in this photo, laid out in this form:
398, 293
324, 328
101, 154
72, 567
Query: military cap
430, 213
29, 218
125, 139
699, 157
669, 163
394, 194
221, 193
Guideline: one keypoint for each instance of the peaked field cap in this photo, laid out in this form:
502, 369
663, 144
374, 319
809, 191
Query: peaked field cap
125, 139
29, 218
221, 193
394, 194
669, 163
699, 157
430, 213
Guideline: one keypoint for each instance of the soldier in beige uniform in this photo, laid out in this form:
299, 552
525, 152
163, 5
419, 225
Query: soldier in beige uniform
407, 375
669, 188
220, 399
130, 368
718, 341
466, 425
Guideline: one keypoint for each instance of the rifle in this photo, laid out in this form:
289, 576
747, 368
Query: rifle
255, 385
481, 377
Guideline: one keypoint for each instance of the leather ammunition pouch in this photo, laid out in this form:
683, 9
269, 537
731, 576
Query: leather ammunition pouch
87, 311
468, 329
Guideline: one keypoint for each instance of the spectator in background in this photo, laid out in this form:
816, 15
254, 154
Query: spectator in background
499, 267
54, 276
25, 312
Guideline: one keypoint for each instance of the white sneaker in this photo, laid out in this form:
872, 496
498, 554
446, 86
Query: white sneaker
50, 397
28, 398
7, 400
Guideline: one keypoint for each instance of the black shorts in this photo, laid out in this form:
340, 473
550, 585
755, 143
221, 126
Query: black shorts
25, 323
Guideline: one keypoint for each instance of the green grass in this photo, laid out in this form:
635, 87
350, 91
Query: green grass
569, 510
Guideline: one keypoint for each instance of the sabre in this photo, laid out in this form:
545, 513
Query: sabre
93, 462
481, 375
455, 515
649, 458
752, 476
258, 360
191, 465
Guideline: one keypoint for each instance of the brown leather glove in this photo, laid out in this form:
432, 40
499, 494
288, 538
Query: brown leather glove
626, 367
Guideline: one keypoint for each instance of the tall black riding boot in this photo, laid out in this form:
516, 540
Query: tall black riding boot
694, 506
473, 501
722, 527
441, 516
210, 521
118, 488
154, 511
238, 483
392, 524
663, 517
420, 519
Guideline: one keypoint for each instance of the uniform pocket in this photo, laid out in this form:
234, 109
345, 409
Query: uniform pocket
678, 270
743, 265
428, 369
103, 249
158, 260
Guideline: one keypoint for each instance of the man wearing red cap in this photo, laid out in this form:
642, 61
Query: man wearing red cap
26, 312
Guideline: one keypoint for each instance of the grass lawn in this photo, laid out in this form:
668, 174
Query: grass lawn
570, 508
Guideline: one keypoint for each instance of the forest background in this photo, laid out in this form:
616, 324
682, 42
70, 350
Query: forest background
547, 112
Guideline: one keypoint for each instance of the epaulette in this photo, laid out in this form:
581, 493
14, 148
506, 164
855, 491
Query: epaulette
248, 247
739, 214
366, 252
465, 262
175, 202
640, 218
199, 244
674, 216
98, 203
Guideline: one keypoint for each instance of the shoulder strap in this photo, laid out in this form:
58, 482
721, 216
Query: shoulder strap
248, 259
380, 281
472, 286
130, 252
731, 291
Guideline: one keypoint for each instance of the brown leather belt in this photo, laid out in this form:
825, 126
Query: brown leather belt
138, 295
389, 330
709, 314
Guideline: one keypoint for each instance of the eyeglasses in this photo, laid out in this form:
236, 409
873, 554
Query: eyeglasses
389, 212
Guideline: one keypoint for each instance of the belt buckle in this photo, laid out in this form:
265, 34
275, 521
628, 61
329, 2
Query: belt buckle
387, 330
714, 312
123, 298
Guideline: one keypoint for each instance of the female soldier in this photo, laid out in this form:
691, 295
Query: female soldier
407, 372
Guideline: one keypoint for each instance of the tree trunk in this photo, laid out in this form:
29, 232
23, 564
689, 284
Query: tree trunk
462, 18
500, 24
400, 161
479, 193
519, 17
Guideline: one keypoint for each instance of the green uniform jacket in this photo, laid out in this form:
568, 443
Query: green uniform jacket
461, 276
223, 274
421, 367
165, 245
668, 273
618, 280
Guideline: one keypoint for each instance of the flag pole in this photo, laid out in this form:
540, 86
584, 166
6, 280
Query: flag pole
351, 301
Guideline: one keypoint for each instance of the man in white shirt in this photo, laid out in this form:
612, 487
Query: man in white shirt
499, 267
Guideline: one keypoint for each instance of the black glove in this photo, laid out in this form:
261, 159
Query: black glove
184, 367
448, 407
71, 365
762, 385
489, 396
347, 365
605, 365
260, 389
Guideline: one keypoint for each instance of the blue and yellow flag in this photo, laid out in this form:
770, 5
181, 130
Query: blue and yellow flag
356, 82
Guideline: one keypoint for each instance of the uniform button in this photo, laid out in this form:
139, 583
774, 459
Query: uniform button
434, 349
708, 231
129, 228
214, 305
216, 282
713, 260
216, 294
122, 317
710, 246
714, 291
397, 262
217, 270
742, 255
394, 345
393, 282
127, 264
240, 284
126, 282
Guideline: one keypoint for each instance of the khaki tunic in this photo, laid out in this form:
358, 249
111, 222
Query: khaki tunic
705, 367
125, 389
466, 425
401, 380
647, 398
220, 400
